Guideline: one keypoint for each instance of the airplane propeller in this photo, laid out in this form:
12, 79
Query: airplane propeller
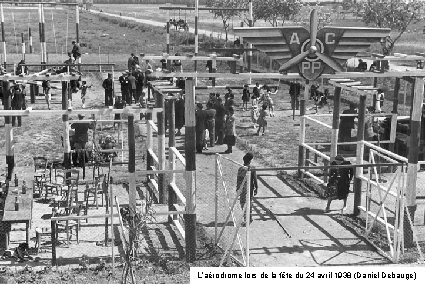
312, 50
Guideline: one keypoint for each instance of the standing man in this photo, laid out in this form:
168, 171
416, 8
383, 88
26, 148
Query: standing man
131, 64
18, 102
75, 50
242, 185
294, 95
124, 84
109, 90
131, 88
219, 121
347, 123
210, 114
139, 84
81, 137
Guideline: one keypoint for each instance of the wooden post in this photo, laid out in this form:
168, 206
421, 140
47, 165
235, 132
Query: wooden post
196, 35
172, 199
132, 164
302, 128
32, 93
335, 124
43, 36
250, 46
64, 94
30, 40
67, 145
161, 139
77, 30
375, 94
149, 141
190, 215
214, 68
394, 114
23, 49
3, 39
54, 241
168, 42
326, 170
10, 159
359, 153
413, 158
242, 55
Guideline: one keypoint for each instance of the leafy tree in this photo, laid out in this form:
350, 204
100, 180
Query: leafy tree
225, 15
325, 17
273, 11
394, 14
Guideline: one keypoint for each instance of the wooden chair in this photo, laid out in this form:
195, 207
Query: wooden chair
68, 188
69, 227
55, 187
40, 171
91, 193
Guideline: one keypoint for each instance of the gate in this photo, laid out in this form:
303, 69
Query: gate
231, 232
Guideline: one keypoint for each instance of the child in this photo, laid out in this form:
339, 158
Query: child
142, 101
206, 138
254, 114
83, 89
270, 102
245, 97
261, 121
46, 91
245, 186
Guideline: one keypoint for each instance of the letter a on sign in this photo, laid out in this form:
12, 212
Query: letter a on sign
294, 39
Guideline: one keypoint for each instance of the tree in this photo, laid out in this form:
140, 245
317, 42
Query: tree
273, 11
394, 14
225, 15
325, 17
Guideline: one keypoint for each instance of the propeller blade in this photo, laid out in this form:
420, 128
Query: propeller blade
330, 62
295, 60
313, 26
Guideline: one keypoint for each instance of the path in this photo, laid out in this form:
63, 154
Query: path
163, 24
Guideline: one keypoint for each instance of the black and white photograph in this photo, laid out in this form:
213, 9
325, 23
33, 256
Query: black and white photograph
206, 141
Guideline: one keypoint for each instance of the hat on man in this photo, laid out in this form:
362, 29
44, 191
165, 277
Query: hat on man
339, 159
81, 116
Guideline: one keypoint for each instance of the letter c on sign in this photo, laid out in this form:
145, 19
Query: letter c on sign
327, 38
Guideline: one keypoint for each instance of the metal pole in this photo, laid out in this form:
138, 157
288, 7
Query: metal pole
190, 215
248, 217
168, 42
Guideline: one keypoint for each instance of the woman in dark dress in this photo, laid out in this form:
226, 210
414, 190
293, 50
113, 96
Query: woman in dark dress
179, 114
342, 178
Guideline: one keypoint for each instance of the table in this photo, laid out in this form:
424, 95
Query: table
23, 215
